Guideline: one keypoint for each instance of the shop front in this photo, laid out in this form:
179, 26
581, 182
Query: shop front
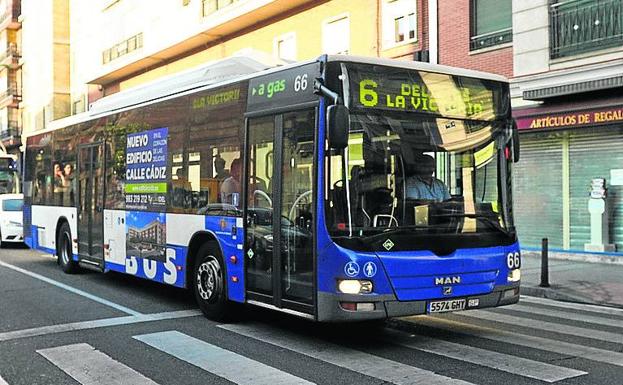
569, 153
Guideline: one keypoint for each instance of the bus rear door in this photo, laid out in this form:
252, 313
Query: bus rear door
91, 204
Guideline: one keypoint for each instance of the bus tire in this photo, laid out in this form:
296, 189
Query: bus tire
64, 251
210, 283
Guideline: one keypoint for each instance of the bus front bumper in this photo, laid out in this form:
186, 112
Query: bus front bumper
350, 307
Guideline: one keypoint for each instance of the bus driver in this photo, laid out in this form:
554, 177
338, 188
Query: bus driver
423, 185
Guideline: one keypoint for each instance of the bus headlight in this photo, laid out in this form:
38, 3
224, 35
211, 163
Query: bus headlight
514, 275
354, 286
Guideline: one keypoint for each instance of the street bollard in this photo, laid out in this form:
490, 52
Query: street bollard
544, 264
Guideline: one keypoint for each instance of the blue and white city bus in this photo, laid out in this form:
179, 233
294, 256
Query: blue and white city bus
390, 180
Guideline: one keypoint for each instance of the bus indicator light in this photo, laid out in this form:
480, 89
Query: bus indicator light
234, 279
233, 259
357, 306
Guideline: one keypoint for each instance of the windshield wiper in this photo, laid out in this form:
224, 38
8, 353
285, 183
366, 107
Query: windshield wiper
385, 231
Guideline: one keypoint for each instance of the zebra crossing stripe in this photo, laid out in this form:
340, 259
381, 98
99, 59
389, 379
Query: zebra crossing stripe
223, 363
574, 306
499, 361
89, 366
567, 315
354, 360
533, 342
100, 323
543, 325
2, 382
71, 289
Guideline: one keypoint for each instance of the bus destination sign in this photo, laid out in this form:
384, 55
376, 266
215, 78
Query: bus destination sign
423, 92
283, 88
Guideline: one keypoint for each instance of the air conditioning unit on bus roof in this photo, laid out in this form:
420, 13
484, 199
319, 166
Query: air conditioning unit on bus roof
214, 72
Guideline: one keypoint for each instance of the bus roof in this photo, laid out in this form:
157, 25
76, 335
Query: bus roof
419, 66
226, 71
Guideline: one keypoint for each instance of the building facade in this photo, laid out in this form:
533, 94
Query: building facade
564, 59
10, 75
476, 34
46, 62
568, 66
122, 43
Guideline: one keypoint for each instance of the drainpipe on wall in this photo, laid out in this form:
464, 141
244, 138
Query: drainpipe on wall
378, 28
433, 34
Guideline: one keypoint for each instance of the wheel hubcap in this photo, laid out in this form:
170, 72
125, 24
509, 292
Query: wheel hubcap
209, 280
65, 249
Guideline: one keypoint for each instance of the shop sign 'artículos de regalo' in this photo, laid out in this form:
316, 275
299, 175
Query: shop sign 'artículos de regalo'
571, 119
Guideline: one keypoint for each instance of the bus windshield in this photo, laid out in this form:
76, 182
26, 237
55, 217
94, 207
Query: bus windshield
439, 171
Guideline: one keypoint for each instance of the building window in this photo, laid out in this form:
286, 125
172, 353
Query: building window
133, 43
336, 36
578, 27
284, 47
210, 6
491, 23
399, 22
78, 105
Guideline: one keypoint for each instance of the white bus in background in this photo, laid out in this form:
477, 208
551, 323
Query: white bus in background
11, 200
9, 176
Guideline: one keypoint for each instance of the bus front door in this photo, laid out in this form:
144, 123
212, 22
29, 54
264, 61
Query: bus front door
91, 204
279, 246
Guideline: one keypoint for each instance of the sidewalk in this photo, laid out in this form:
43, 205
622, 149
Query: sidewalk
574, 281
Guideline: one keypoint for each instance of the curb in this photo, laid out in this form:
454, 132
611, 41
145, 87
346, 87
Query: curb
577, 257
553, 293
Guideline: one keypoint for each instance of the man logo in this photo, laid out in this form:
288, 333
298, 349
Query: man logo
447, 280
447, 290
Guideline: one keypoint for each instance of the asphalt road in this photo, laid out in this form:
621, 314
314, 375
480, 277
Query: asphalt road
95, 329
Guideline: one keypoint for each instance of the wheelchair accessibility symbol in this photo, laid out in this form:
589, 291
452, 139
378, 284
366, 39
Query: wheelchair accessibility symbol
351, 269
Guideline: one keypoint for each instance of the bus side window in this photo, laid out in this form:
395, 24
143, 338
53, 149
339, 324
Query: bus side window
43, 174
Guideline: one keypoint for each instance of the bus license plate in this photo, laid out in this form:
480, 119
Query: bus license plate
444, 306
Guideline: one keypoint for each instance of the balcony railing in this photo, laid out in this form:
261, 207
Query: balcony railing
580, 26
11, 131
491, 39
11, 91
11, 52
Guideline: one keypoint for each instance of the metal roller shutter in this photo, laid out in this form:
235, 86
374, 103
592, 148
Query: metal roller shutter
537, 187
592, 154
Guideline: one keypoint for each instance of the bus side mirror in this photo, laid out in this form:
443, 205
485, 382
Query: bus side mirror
338, 123
516, 146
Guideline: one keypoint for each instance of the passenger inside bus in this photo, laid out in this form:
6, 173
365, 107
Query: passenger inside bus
219, 167
68, 185
230, 188
181, 189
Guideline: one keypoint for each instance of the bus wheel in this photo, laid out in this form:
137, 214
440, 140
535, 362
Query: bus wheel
64, 251
209, 282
